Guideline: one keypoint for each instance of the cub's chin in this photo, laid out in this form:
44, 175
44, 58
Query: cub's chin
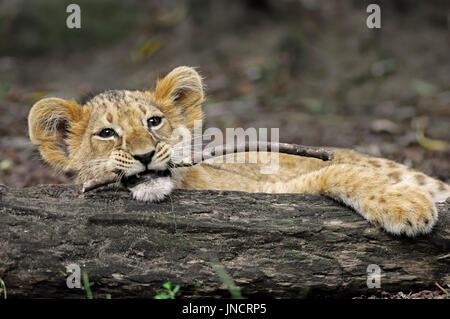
151, 186
153, 190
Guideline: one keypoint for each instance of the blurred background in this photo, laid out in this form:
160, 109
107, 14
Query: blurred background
310, 67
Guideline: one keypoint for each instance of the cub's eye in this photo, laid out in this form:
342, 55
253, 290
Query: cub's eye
154, 121
107, 132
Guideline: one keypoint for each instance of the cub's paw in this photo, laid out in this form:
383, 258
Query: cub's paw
402, 209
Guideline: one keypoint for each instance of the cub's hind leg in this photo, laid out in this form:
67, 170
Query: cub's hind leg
398, 208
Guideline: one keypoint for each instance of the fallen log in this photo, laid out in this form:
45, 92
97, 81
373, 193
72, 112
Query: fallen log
274, 246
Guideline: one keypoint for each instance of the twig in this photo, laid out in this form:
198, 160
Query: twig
107, 179
292, 149
208, 153
439, 286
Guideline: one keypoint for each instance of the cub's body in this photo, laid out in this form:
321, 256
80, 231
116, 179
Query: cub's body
132, 133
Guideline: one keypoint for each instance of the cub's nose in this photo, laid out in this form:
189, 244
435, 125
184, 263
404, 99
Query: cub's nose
145, 158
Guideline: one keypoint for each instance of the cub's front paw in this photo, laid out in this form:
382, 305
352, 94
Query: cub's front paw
402, 209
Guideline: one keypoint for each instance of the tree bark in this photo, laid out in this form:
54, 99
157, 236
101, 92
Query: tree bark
274, 246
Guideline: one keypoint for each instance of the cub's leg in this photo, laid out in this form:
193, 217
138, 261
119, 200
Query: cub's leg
397, 207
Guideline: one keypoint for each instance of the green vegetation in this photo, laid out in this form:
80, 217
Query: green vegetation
197, 286
228, 281
86, 285
170, 291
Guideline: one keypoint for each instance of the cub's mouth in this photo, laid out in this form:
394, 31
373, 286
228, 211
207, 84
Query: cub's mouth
145, 176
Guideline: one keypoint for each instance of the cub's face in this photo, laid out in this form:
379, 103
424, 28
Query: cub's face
129, 133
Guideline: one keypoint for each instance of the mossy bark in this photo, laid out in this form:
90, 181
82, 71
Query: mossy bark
271, 245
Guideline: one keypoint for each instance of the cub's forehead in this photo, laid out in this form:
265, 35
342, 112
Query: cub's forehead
118, 106
119, 100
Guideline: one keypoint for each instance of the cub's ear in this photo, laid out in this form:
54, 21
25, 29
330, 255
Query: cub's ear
183, 87
49, 123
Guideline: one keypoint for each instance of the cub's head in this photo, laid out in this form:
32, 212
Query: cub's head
130, 133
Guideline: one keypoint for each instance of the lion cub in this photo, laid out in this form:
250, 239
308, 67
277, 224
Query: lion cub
131, 133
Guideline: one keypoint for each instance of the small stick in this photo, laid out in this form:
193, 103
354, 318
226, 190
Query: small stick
293, 149
107, 179
439, 286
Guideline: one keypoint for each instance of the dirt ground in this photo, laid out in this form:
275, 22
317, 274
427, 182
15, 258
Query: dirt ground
310, 68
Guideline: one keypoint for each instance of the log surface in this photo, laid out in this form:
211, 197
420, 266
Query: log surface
274, 246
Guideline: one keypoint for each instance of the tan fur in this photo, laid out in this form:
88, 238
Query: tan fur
386, 193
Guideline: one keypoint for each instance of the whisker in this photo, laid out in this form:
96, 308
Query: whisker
94, 167
93, 161
95, 170
117, 181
